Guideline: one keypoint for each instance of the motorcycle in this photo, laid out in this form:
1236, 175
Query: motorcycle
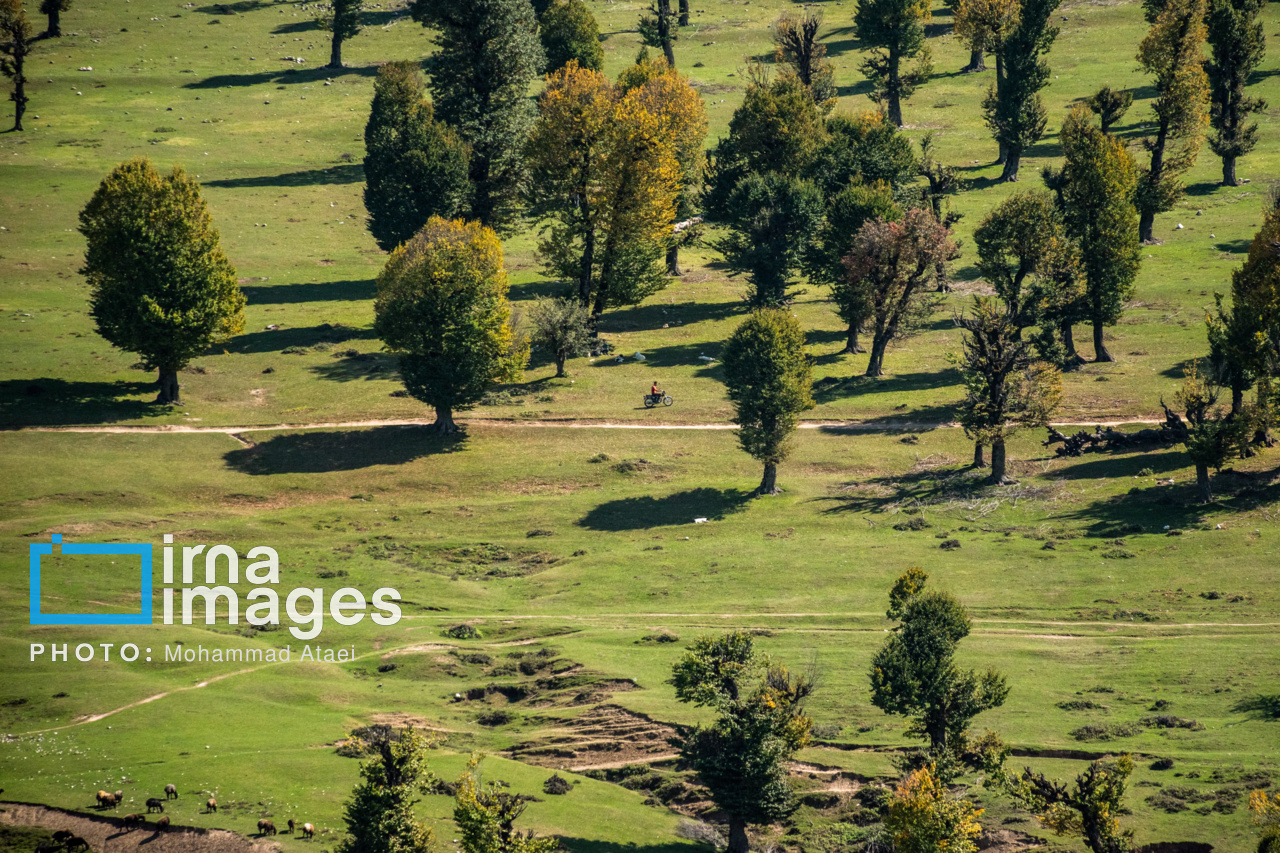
651, 400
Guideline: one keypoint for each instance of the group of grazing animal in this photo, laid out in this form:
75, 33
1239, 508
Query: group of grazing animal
108, 799
63, 840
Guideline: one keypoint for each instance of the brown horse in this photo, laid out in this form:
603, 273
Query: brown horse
212, 805
266, 827
308, 831
162, 823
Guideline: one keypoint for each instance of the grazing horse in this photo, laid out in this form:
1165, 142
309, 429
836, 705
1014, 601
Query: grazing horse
75, 843
62, 835
119, 797
266, 827
162, 823
155, 804
308, 831
212, 805
106, 799
171, 792
291, 826
131, 820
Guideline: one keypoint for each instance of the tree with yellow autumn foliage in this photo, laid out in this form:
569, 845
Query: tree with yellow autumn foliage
605, 181
442, 309
924, 817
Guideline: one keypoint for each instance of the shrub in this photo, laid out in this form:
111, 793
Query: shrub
462, 632
1162, 764
494, 718
557, 785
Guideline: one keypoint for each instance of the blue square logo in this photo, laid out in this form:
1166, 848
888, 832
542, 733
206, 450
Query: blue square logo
140, 549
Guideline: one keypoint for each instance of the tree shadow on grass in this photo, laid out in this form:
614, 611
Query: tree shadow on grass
47, 401
351, 365
593, 845
655, 315
279, 340
926, 484
283, 75
346, 173
346, 450
646, 512
368, 19
316, 291
1259, 707
832, 388
676, 355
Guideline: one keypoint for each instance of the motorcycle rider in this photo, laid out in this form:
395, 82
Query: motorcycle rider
655, 391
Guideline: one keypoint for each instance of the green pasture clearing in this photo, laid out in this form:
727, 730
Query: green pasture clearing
585, 549
278, 147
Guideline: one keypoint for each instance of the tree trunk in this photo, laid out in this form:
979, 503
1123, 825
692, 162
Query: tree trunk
1229, 172
1147, 221
768, 486
979, 459
55, 24
1202, 483
875, 365
851, 342
1100, 351
977, 62
673, 260
1237, 399
560, 357
738, 836
444, 421
19, 96
684, 13
1012, 159
998, 462
894, 90
1069, 344
335, 52
168, 385
664, 31
1000, 158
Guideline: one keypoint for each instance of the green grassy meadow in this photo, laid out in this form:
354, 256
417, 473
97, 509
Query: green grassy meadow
1095, 583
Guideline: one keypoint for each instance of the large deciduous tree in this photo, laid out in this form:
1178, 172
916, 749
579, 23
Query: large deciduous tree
770, 382
1238, 45
769, 220
160, 285
442, 309
1006, 389
777, 128
487, 54
1097, 186
414, 166
761, 723
796, 43
605, 182
569, 32
1172, 53
894, 29
343, 19
16, 44
914, 673
379, 816
894, 263
847, 211
984, 25
53, 9
682, 118
1014, 110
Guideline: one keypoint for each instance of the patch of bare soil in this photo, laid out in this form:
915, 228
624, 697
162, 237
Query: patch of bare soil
110, 835
1008, 841
604, 737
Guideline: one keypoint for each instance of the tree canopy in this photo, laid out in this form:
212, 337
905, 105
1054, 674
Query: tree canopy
159, 283
442, 310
